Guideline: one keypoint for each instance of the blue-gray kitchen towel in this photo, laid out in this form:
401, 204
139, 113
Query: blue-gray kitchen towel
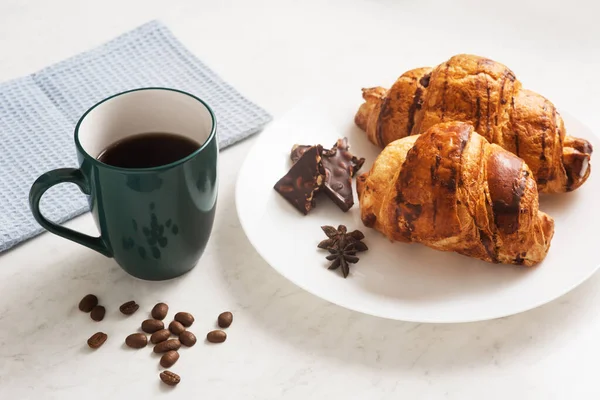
38, 114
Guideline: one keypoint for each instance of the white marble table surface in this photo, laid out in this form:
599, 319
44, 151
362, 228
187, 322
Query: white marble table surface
286, 343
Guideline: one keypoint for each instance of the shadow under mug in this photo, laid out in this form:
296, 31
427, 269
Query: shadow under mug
155, 221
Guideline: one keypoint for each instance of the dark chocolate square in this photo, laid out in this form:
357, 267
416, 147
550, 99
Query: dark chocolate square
303, 181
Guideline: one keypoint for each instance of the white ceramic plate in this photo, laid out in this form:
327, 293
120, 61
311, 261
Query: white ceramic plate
404, 281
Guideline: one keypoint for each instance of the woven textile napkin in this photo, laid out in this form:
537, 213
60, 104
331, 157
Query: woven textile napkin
38, 114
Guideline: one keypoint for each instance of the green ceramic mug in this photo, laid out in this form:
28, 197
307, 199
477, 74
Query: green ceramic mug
156, 221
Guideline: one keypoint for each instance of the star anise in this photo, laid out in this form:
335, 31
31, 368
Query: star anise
334, 235
342, 255
342, 246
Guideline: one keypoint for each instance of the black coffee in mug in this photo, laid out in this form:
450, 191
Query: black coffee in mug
148, 150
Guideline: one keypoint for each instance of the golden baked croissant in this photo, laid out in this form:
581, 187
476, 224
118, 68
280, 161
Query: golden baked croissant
450, 189
485, 93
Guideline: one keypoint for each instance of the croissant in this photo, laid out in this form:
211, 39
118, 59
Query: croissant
451, 190
486, 94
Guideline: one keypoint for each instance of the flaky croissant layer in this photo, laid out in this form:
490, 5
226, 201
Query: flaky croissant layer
450, 189
486, 94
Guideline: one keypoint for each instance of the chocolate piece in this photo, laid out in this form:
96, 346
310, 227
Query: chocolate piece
297, 151
303, 180
338, 181
355, 162
340, 165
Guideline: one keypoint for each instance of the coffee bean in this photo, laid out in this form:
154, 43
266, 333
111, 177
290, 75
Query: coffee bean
152, 325
187, 338
176, 327
160, 336
98, 313
167, 345
225, 319
170, 378
216, 336
97, 340
160, 311
185, 318
169, 358
88, 303
136, 340
129, 308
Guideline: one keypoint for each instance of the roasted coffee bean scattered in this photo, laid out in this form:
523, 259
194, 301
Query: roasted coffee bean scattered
152, 325
176, 327
187, 338
160, 311
169, 358
97, 313
217, 336
185, 318
167, 345
225, 319
170, 378
129, 308
136, 340
160, 336
97, 340
88, 303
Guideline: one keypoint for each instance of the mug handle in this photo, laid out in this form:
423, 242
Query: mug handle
45, 182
